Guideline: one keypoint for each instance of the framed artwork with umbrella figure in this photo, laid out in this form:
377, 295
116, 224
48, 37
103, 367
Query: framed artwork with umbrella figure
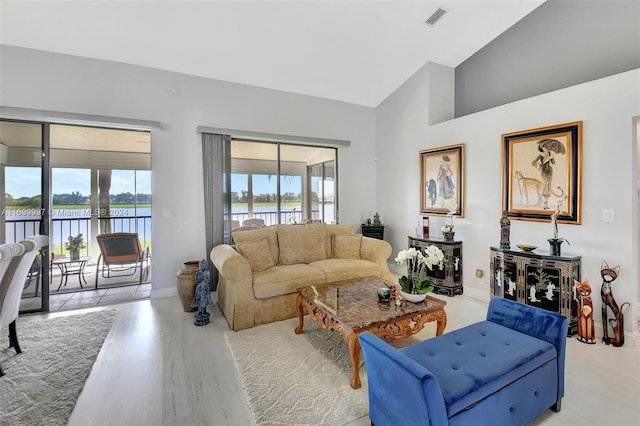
542, 172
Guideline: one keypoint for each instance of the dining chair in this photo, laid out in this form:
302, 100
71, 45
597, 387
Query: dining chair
15, 264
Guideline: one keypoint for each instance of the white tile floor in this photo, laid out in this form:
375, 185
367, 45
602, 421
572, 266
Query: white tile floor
156, 368
72, 296
100, 297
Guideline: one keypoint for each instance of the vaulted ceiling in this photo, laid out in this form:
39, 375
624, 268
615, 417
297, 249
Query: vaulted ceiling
352, 51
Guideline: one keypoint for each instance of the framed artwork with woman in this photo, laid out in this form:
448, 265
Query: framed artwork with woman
442, 181
541, 171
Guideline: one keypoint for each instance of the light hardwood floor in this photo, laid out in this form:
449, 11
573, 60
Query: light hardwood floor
157, 368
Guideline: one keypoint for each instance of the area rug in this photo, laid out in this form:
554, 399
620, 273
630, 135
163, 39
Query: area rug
301, 379
41, 385
297, 379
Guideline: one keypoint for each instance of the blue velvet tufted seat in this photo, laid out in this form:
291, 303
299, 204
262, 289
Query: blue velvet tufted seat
502, 371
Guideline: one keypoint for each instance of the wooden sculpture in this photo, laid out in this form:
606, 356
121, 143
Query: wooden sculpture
617, 322
586, 326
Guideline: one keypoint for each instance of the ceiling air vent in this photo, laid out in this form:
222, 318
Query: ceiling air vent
436, 16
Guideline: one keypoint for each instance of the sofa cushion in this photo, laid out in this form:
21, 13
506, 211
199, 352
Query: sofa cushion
301, 243
346, 246
257, 253
346, 269
285, 279
473, 362
256, 234
330, 230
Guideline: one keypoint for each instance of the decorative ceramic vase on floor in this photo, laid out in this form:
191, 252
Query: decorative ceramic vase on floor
186, 282
448, 235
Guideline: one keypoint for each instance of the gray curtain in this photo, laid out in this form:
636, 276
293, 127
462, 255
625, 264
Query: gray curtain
216, 166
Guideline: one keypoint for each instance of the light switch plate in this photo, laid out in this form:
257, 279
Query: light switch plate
608, 216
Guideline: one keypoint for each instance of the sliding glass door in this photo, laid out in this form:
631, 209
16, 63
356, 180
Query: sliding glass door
49, 181
24, 182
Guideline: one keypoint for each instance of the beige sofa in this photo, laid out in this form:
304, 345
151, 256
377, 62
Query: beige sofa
259, 275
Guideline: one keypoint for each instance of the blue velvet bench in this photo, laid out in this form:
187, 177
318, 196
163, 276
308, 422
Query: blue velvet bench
502, 371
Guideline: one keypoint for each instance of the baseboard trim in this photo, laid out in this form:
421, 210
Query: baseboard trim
631, 338
476, 293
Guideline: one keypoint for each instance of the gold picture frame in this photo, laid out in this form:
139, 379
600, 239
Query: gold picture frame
442, 181
542, 171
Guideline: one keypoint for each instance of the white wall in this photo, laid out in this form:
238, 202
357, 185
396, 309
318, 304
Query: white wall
48, 81
606, 106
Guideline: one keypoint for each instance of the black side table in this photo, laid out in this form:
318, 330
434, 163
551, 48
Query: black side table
66, 269
373, 231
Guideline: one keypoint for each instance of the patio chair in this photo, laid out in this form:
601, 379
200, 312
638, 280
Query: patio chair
121, 255
257, 222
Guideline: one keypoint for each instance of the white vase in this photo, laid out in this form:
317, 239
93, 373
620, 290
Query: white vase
414, 298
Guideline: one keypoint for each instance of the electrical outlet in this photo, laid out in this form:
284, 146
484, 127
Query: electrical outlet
608, 216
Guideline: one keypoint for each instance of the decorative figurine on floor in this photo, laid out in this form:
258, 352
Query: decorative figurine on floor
505, 230
586, 327
202, 298
617, 322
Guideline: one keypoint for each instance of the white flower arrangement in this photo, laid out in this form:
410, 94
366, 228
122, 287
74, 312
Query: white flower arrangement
415, 282
452, 206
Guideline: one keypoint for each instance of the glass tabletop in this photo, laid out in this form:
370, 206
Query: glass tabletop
355, 302
61, 260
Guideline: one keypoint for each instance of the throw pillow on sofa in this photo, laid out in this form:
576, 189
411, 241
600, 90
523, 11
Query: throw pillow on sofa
269, 232
257, 253
346, 246
301, 243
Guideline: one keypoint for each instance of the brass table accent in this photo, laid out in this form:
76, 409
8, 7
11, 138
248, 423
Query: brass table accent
351, 307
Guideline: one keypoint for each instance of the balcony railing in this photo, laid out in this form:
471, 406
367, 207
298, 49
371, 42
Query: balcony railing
17, 230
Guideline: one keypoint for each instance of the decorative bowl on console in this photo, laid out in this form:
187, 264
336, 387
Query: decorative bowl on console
527, 247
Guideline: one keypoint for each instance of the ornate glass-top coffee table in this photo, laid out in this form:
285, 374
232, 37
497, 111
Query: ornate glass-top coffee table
352, 307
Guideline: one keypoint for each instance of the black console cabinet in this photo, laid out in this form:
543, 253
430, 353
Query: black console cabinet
449, 279
373, 231
537, 279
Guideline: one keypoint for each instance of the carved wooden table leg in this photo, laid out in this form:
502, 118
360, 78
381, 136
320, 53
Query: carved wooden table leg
354, 351
300, 314
441, 317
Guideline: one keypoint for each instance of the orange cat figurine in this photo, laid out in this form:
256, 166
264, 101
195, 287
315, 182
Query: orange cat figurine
586, 327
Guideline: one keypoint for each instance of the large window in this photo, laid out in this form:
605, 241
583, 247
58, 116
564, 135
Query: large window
282, 183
